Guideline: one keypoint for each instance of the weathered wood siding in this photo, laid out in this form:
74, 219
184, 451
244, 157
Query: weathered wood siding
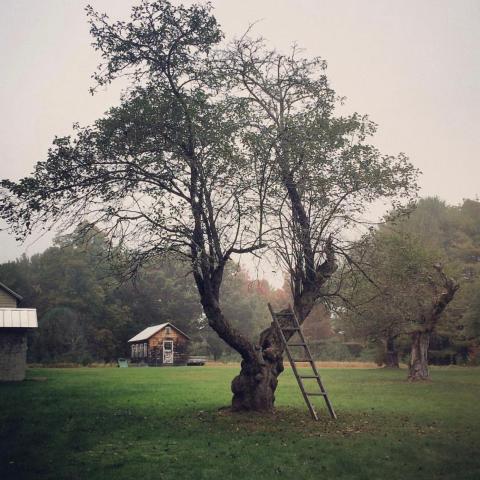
7, 300
154, 353
180, 347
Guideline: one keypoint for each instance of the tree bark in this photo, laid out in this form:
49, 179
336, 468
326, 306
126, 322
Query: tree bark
418, 367
254, 388
391, 354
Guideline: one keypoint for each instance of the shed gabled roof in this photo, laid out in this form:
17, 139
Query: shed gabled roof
150, 331
10, 291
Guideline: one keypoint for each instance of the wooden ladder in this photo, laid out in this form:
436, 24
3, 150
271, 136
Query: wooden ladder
289, 317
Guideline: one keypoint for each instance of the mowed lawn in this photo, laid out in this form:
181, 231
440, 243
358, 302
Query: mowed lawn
165, 423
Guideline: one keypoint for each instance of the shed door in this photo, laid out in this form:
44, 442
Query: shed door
168, 351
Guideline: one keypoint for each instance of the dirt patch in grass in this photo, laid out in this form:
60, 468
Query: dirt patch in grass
295, 421
338, 365
319, 364
298, 421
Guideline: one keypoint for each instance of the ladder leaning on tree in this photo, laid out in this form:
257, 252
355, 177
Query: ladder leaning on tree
286, 321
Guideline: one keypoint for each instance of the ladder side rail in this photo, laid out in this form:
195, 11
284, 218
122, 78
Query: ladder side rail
301, 385
307, 349
311, 409
320, 385
302, 338
314, 368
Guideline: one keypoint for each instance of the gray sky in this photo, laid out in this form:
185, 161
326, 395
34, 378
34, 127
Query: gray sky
412, 65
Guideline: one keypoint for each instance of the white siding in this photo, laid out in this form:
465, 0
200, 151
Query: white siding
18, 318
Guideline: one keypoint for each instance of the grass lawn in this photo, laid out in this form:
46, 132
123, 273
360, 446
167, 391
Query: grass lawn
165, 423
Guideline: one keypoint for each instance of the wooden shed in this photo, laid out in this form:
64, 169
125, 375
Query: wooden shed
14, 323
160, 345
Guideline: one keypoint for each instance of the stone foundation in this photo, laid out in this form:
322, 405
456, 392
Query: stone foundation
13, 354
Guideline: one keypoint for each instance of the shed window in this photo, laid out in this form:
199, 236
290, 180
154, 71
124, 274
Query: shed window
168, 330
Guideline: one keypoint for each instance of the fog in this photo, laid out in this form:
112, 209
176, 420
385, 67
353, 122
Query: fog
412, 66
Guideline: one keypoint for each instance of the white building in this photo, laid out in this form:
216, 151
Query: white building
14, 323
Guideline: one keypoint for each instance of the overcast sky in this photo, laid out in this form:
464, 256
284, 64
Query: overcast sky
412, 65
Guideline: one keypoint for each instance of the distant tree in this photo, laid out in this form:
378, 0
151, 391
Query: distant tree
402, 291
471, 319
381, 304
444, 291
213, 152
453, 232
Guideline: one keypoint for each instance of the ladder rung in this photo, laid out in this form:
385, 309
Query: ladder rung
291, 329
308, 376
302, 360
297, 344
283, 314
321, 394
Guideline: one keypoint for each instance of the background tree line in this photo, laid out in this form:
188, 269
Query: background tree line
87, 313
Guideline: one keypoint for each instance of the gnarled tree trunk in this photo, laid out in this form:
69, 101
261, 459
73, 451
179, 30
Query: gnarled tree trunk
418, 366
254, 388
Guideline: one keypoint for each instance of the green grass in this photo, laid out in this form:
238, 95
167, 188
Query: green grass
166, 424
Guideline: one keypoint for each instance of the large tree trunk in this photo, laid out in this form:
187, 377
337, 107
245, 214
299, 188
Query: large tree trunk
418, 367
391, 354
254, 388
